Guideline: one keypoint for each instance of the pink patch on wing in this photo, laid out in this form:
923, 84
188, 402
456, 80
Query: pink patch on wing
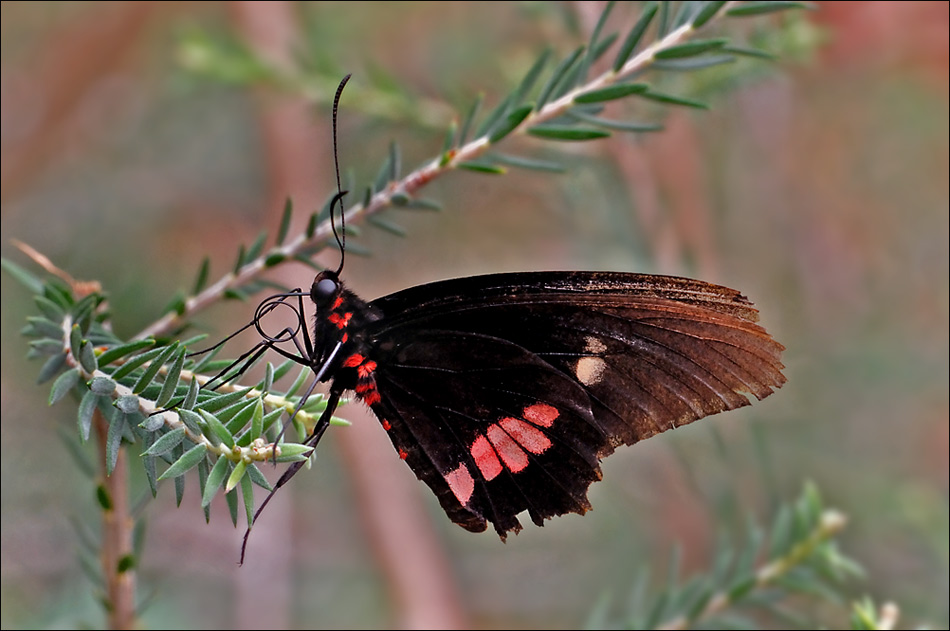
485, 458
526, 435
515, 458
541, 414
461, 483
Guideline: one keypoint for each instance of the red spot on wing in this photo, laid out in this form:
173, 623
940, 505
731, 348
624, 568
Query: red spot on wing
387, 425
485, 458
541, 414
353, 360
515, 458
526, 435
366, 369
461, 483
403, 454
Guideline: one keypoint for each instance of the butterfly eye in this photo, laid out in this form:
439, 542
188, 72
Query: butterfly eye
323, 289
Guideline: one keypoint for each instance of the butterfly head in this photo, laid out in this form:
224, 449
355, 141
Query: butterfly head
325, 289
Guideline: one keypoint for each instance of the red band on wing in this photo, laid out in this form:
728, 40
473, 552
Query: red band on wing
461, 483
511, 452
485, 458
541, 414
526, 435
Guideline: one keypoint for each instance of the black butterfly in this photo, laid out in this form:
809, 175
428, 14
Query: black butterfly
503, 392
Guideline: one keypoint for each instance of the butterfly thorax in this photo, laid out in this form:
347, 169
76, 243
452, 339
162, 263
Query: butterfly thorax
342, 319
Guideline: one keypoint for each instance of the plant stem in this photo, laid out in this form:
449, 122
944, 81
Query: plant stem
830, 524
116, 536
408, 186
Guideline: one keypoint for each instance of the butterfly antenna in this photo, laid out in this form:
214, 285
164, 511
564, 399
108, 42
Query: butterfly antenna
341, 237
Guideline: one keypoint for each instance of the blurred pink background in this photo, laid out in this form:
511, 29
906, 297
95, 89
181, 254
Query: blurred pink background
817, 184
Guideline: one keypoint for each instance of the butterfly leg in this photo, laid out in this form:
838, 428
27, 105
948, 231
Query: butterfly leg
323, 423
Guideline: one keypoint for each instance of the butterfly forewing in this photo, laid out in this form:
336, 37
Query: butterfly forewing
502, 392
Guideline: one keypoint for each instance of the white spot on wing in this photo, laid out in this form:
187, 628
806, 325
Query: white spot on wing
594, 345
590, 370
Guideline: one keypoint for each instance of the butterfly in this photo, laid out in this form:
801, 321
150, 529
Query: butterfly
503, 392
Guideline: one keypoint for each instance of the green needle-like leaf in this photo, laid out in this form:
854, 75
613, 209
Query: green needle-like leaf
220, 402
171, 380
102, 386
127, 404
191, 397
132, 364
528, 163
114, 440
292, 452
51, 368
214, 481
707, 13
388, 226
218, 430
152, 371
257, 477
493, 117
63, 385
43, 327
237, 474
109, 356
202, 279
673, 100
27, 279
192, 420
87, 406
87, 357
747, 9
691, 49
470, 118
48, 308
564, 132
618, 125
285, 221
610, 93
531, 78
482, 167
166, 442
560, 71
75, 340
257, 247
514, 119
185, 463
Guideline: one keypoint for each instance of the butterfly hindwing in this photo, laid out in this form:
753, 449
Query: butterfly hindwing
492, 428
502, 392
